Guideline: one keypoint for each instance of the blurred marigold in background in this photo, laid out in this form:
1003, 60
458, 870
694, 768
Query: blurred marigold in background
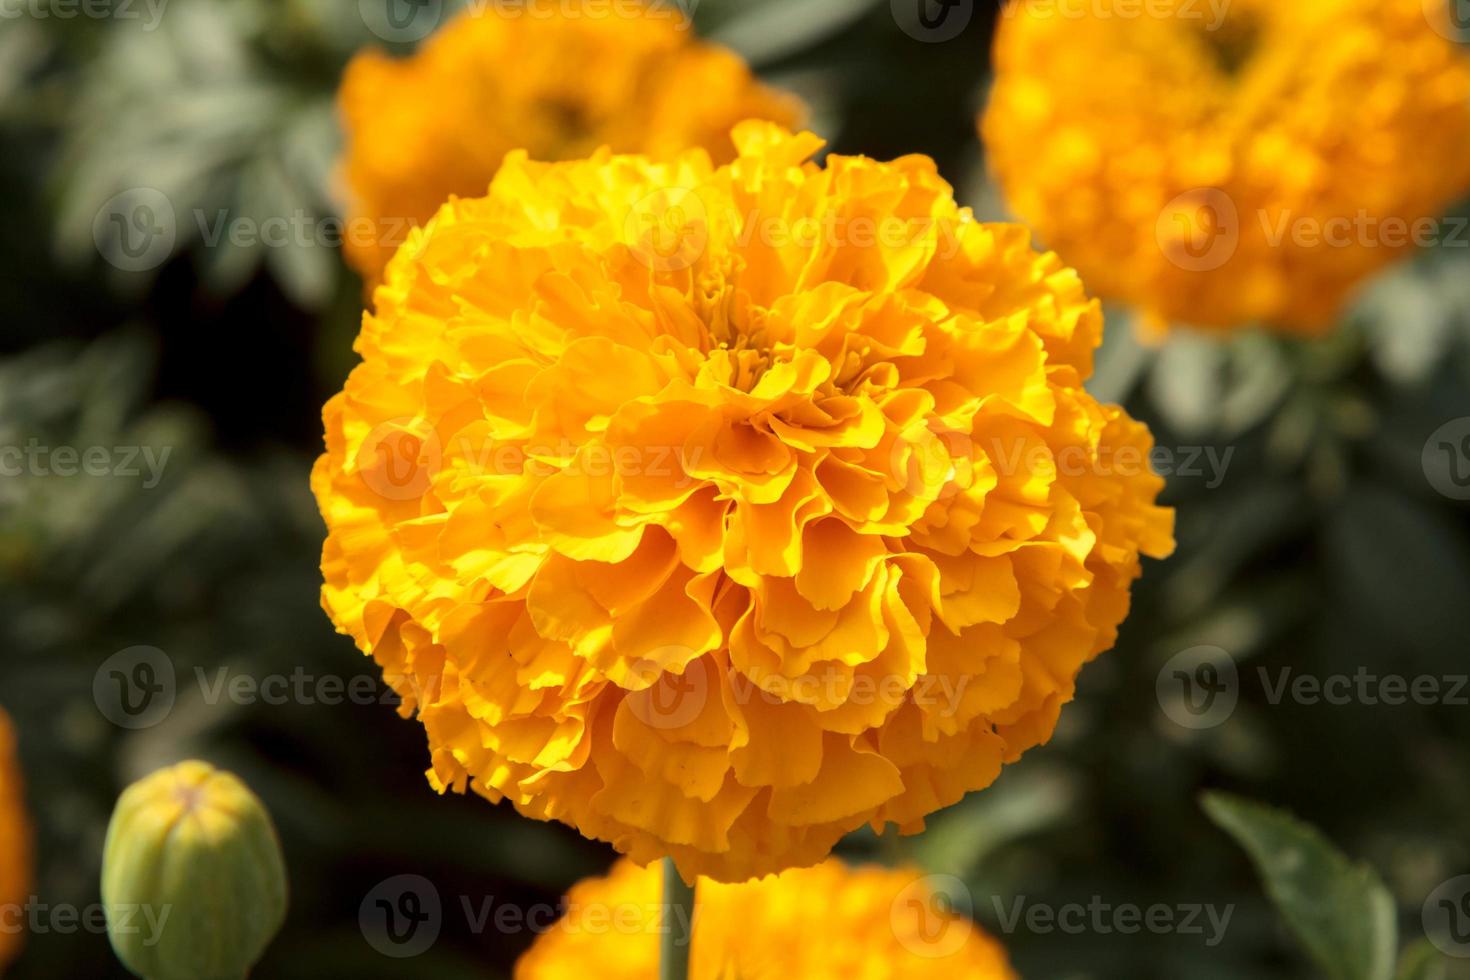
1230, 166
824, 923
719, 511
440, 123
15, 842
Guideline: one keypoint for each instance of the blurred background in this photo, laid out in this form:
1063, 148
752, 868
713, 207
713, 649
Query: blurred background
1322, 529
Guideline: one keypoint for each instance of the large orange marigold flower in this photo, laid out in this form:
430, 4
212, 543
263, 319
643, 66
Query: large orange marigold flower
15, 842
439, 123
718, 511
824, 923
1222, 166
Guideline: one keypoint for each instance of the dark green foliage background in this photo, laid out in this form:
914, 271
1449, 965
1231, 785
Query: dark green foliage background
1325, 548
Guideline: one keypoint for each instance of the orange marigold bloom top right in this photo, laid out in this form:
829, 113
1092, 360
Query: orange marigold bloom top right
1229, 163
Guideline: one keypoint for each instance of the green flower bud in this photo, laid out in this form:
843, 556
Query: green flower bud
192, 876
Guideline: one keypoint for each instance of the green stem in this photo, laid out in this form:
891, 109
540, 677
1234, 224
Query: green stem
678, 934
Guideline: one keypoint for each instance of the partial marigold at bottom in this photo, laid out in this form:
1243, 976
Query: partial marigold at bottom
719, 511
1251, 165
830, 922
559, 85
15, 841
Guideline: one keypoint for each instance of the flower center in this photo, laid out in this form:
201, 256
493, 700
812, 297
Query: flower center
734, 331
569, 119
1232, 42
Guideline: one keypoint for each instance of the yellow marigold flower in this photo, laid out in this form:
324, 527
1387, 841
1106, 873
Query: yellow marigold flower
1228, 166
824, 923
718, 511
15, 844
439, 123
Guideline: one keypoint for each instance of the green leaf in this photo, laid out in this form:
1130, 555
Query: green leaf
1409, 323
1187, 382
960, 838
1121, 360
1421, 961
201, 112
1341, 911
767, 32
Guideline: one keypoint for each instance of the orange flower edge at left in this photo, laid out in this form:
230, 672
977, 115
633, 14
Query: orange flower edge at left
830, 922
439, 123
717, 511
15, 843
